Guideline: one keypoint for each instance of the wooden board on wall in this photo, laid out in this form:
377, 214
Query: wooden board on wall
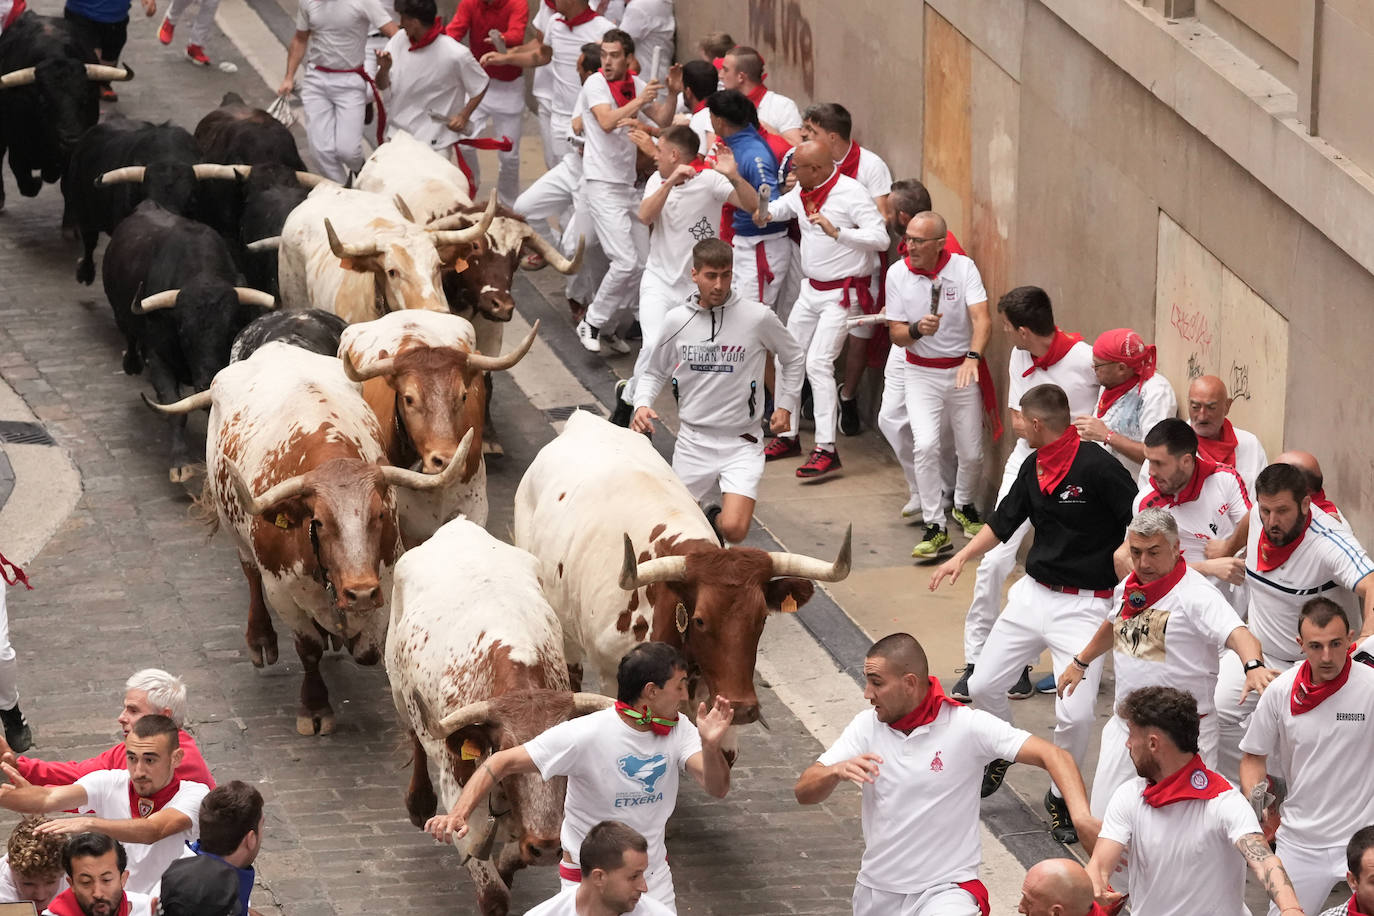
947, 154
1208, 322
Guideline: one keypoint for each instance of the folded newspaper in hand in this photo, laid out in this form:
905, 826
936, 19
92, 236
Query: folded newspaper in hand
861, 320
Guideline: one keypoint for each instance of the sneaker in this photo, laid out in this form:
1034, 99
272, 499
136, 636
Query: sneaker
960, 689
820, 462
615, 344
1061, 825
712, 511
967, 517
164, 34
849, 415
933, 543
589, 337
1023, 689
18, 735
993, 774
624, 411
107, 93
912, 508
196, 55
781, 447
1047, 684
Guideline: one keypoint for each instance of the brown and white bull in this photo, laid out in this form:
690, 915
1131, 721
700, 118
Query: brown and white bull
355, 254
295, 471
597, 494
427, 385
475, 658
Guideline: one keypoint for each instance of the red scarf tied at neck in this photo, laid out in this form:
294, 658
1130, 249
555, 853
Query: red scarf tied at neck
1123, 345
434, 32
756, 94
1052, 461
147, 807
660, 727
585, 16
1271, 557
1202, 469
814, 199
64, 904
1060, 345
1222, 450
1318, 499
622, 90
1307, 696
16, 11
928, 710
849, 165
1192, 782
1139, 596
934, 272
1353, 907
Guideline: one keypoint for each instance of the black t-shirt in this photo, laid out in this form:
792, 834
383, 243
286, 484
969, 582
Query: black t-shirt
1077, 527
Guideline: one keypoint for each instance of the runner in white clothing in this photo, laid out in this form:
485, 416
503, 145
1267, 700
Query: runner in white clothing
32, 868
713, 346
918, 756
614, 858
742, 70
1134, 397
199, 29
1179, 824
651, 24
1359, 859
621, 763
1208, 406
1315, 719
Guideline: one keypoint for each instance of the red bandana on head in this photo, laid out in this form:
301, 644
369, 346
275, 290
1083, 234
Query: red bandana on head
1192, 781
849, 165
1060, 346
434, 32
1222, 450
586, 15
147, 807
1307, 696
1123, 345
1202, 469
928, 710
1271, 557
1052, 461
814, 199
64, 904
1139, 596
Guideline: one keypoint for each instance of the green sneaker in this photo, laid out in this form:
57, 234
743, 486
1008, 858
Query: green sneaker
968, 519
935, 542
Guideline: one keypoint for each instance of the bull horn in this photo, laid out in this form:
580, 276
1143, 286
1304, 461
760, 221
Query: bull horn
804, 567
102, 74
309, 179
461, 718
204, 170
249, 296
342, 251
129, 174
16, 78
271, 243
471, 233
400, 203
584, 703
556, 258
497, 363
634, 574
257, 505
379, 367
163, 300
201, 400
414, 480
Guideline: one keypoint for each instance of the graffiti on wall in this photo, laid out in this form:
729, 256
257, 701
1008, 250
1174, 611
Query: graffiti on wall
778, 28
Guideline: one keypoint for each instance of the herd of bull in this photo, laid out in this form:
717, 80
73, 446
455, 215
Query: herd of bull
345, 440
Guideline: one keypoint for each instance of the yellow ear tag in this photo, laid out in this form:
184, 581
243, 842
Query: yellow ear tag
681, 619
282, 520
460, 265
789, 605
470, 750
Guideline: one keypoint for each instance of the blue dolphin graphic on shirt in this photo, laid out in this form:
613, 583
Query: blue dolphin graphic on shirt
644, 770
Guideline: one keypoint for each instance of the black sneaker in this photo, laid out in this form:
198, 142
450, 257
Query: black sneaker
624, 411
1023, 690
1061, 825
712, 512
18, 735
849, 415
960, 690
993, 774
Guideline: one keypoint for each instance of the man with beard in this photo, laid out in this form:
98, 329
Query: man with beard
1359, 857
614, 858
1179, 823
96, 865
1294, 551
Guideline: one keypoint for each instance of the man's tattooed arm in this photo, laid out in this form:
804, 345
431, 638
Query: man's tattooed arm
1270, 871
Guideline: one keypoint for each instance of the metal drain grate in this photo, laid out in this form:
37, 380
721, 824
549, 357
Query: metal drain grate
559, 414
19, 433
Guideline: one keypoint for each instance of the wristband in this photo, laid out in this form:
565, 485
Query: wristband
1253, 663
1108, 440
973, 354
1080, 663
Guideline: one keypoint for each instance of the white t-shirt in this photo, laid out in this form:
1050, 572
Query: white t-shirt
338, 30
541, 86
615, 772
1073, 373
908, 299
9, 888
609, 156
1190, 844
779, 112
1326, 754
107, 794
441, 77
691, 213
565, 904
1219, 508
927, 786
1137, 411
701, 126
1249, 460
139, 904
1175, 643
1328, 562
862, 232
651, 24
873, 173
566, 44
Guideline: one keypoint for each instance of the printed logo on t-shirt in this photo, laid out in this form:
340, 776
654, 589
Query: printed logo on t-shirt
712, 357
645, 772
1071, 493
936, 764
1143, 635
703, 229
1198, 780
145, 807
1349, 717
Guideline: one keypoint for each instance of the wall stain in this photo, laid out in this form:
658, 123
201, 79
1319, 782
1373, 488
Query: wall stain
780, 27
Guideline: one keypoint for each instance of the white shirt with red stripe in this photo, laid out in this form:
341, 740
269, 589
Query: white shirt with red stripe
1327, 753
920, 816
1190, 844
440, 77
107, 795
1219, 508
861, 231
908, 299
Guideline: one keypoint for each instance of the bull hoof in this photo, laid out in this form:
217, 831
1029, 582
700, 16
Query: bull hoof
494, 903
263, 651
85, 272
311, 725
181, 473
492, 447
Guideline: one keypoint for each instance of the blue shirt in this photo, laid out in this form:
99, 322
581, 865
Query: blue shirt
758, 166
100, 10
245, 874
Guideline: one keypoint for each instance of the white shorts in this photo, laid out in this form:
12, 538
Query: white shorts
940, 900
702, 457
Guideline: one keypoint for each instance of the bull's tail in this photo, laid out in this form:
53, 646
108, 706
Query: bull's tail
202, 509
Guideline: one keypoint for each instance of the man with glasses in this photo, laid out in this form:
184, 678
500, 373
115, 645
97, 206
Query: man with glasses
1133, 399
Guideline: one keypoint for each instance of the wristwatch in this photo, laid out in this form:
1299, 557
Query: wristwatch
973, 354
1253, 663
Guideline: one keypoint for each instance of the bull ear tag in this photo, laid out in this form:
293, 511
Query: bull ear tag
681, 619
788, 605
469, 750
282, 521
460, 265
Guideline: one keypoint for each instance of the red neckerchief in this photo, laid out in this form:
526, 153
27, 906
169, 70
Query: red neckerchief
1138, 596
1202, 469
585, 16
699, 165
1318, 499
1307, 696
1192, 781
622, 89
1271, 557
932, 273
1060, 345
849, 165
928, 710
697, 107
429, 36
15, 12
1052, 461
13, 575
147, 807
1111, 395
64, 904
756, 94
551, 4
643, 717
1223, 449
1353, 907
814, 199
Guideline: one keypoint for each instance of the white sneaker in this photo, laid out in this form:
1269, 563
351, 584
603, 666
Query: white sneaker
615, 343
588, 337
912, 507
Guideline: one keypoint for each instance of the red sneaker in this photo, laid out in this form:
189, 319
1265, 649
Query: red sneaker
196, 55
820, 462
781, 447
164, 34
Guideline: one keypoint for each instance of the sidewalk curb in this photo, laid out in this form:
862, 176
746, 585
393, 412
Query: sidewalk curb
40, 486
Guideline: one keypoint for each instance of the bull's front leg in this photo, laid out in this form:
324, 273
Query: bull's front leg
491, 445
179, 467
29, 183
509, 862
85, 268
261, 637
493, 893
315, 716
421, 802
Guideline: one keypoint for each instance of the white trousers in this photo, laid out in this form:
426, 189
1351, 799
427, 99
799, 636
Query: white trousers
552, 194
545, 115
931, 398
199, 32
1233, 716
1037, 618
994, 568
703, 457
503, 109
334, 104
9, 665
777, 255
1114, 766
559, 138
660, 881
1314, 872
892, 421
610, 210
940, 900
818, 324
657, 298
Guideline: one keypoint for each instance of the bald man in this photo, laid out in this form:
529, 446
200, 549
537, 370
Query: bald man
842, 233
1208, 406
1316, 484
1058, 887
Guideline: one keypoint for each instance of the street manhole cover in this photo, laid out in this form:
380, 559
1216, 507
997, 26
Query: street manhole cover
19, 433
558, 414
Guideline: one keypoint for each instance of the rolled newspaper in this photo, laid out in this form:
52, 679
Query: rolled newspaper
653, 64
497, 40
862, 320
